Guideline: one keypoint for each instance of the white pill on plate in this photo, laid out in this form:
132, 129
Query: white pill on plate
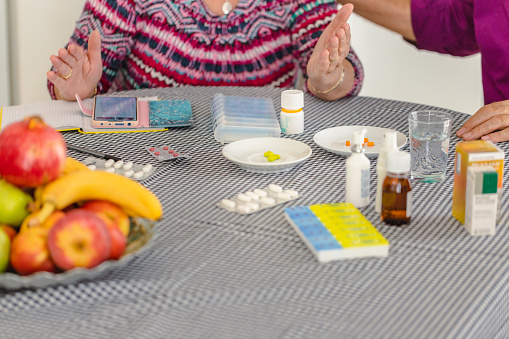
253, 206
128, 165
118, 164
147, 168
227, 203
138, 175
293, 194
283, 196
109, 163
92, 167
243, 209
275, 188
261, 193
244, 197
110, 170
252, 195
268, 201
128, 173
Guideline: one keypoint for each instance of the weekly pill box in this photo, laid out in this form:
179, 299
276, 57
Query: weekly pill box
336, 231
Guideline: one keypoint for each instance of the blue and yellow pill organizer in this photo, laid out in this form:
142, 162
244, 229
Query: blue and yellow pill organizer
337, 231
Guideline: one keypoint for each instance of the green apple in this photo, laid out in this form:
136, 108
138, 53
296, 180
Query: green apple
5, 248
13, 204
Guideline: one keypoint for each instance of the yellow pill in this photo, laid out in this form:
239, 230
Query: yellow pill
271, 158
277, 156
267, 153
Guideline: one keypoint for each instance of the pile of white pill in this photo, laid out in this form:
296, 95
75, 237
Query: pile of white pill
258, 199
126, 168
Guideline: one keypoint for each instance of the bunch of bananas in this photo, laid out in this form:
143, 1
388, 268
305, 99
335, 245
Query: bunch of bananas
78, 183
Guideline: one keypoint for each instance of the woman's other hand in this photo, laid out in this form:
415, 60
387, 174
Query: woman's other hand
328, 61
491, 122
77, 71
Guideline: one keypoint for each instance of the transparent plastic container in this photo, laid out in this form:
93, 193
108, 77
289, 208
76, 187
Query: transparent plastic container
236, 118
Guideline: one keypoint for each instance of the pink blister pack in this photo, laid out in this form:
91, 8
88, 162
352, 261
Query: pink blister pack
162, 153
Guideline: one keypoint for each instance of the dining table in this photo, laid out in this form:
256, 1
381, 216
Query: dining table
212, 273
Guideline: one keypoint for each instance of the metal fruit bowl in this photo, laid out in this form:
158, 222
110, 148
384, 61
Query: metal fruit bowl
139, 240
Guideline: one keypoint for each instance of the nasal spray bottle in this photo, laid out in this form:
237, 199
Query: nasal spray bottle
389, 144
357, 172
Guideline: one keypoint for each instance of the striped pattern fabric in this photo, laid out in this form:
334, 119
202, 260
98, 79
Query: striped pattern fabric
215, 274
154, 43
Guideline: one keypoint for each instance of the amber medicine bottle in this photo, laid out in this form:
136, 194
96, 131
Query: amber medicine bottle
396, 190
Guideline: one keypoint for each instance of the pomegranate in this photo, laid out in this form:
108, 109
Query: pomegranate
31, 153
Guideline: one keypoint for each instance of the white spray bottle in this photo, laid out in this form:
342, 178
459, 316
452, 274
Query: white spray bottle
357, 172
389, 144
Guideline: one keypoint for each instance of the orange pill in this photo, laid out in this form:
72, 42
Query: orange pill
366, 140
371, 143
348, 142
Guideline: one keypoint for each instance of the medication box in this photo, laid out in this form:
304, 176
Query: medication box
474, 153
336, 231
481, 203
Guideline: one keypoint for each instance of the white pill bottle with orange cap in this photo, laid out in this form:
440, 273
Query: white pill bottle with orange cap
292, 111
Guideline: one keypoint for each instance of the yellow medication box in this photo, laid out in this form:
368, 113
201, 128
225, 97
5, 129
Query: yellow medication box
474, 153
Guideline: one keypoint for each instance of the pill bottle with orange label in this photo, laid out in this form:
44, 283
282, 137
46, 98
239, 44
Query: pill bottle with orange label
292, 111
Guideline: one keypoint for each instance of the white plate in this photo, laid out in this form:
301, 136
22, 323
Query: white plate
248, 154
334, 139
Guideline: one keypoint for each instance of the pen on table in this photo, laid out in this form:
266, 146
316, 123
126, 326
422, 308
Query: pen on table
91, 152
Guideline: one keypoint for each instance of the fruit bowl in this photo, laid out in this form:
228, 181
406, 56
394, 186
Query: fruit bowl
140, 239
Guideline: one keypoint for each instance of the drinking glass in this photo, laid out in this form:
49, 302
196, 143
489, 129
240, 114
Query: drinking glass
429, 133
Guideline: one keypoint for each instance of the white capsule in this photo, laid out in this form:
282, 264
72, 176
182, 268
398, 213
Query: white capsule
128, 173
227, 203
283, 196
110, 170
275, 188
138, 174
260, 193
268, 201
109, 163
118, 164
293, 194
244, 197
253, 195
128, 165
243, 209
253, 206
147, 168
92, 167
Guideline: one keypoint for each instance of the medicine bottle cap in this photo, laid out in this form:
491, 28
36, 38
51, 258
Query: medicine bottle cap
358, 136
398, 162
292, 99
389, 141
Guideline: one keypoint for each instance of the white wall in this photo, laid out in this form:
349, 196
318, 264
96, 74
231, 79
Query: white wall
4, 61
394, 69
38, 30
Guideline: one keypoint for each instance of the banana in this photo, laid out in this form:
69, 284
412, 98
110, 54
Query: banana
73, 165
78, 186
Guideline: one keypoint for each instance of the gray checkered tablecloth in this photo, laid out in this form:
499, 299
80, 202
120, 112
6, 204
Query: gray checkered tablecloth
215, 274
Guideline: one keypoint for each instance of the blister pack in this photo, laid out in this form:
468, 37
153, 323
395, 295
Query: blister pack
126, 168
163, 153
258, 199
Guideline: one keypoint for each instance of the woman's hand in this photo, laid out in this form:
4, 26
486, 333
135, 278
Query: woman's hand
491, 122
328, 61
77, 71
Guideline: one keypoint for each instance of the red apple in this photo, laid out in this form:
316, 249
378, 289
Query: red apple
29, 252
110, 213
31, 153
118, 242
11, 232
52, 219
80, 239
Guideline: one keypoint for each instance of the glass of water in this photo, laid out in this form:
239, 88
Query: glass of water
429, 133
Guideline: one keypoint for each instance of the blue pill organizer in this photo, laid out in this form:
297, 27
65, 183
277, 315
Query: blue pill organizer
337, 231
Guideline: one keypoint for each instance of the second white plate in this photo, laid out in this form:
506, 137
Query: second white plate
248, 154
334, 139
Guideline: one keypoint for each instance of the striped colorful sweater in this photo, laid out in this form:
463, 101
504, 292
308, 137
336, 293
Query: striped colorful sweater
157, 43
